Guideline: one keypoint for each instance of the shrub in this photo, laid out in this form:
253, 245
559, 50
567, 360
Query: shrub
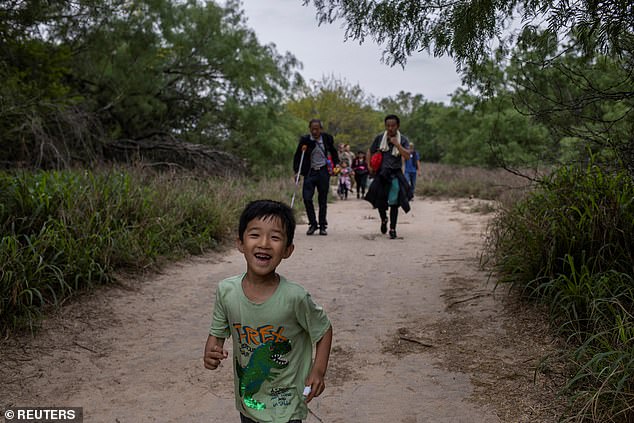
570, 245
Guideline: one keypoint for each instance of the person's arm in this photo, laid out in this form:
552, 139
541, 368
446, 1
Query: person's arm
298, 155
401, 149
316, 377
334, 154
214, 352
418, 169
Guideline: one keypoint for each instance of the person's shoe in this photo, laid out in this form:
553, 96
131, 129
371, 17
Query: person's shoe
323, 232
384, 226
311, 230
392, 233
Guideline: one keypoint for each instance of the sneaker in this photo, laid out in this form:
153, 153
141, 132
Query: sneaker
384, 226
392, 233
311, 230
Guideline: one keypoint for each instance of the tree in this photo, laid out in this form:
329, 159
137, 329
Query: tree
465, 29
80, 73
586, 101
344, 109
188, 67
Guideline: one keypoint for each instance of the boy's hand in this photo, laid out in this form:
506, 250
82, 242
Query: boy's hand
316, 382
213, 355
316, 377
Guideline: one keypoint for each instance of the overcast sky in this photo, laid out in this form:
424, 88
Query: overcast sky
322, 50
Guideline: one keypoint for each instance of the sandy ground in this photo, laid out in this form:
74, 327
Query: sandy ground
420, 334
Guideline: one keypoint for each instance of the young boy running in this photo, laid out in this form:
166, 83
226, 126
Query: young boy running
274, 324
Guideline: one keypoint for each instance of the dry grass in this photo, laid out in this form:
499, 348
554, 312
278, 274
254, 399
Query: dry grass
440, 180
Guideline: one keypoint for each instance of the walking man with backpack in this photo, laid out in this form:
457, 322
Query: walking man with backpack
389, 188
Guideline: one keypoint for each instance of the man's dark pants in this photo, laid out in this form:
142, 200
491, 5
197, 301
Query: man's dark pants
321, 180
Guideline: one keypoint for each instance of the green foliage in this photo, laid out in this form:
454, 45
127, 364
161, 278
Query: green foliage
573, 74
63, 232
471, 131
583, 100
103, 71
570, 245
344, 110
584, 214
266, 138
465, 30
495, 134
188, 67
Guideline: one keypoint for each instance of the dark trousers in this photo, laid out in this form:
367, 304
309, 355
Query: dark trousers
321, 180
361, 181
393, 215
245, 419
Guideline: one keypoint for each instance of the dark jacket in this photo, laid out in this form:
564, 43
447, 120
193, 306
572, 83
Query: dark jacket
394, 162
380, 187
329, 145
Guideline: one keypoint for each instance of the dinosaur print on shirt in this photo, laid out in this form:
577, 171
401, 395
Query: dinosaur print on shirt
263, 362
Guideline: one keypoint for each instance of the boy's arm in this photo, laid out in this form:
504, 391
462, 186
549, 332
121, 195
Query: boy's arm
214, 352
316, 377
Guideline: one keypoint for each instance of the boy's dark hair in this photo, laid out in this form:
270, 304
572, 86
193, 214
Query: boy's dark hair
262, 209
388, 117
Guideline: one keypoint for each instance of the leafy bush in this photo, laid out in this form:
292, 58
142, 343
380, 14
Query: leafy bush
570, 245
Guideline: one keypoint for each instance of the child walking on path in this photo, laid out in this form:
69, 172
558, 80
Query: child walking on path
360, 168
345, 180
274, 323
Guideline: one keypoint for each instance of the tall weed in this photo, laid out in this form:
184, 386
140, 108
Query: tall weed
62, 232
570, 245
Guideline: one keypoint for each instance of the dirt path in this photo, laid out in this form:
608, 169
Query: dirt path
419, 333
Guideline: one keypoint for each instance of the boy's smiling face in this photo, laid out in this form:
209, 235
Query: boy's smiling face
264, 246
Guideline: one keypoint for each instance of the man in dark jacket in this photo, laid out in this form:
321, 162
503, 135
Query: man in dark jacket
389, 188
319, 145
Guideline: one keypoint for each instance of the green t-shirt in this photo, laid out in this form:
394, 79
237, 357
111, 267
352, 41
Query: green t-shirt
272, 347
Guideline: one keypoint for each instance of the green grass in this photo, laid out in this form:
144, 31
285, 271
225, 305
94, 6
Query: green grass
63, 232
567, 244
570, 246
